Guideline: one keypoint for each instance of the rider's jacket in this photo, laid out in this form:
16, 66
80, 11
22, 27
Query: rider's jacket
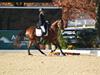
41, 19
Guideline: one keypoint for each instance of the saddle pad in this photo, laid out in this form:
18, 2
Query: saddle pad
38, 32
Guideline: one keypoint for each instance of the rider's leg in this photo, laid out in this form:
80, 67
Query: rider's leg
43, 29
41, 39
46, 32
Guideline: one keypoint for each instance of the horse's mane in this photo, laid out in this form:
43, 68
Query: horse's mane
54, 24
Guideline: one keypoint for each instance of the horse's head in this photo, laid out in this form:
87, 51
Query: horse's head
58, 24
61, 24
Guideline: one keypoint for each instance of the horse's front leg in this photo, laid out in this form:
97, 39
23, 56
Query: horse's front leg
61, 50
37, 47
29, 46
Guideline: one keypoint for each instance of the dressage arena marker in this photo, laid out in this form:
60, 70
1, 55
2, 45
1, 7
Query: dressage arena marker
80, 52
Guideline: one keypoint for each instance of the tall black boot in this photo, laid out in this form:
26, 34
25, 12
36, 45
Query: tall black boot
41, 40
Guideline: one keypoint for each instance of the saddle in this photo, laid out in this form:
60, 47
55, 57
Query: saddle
40, 32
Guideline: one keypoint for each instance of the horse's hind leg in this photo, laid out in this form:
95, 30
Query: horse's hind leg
29, 45
37, 47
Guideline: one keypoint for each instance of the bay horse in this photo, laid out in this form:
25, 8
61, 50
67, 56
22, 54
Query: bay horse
51, 38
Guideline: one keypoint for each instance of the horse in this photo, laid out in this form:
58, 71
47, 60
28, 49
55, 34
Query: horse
52, 37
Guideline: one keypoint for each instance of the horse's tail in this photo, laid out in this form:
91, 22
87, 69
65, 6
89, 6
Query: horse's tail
19, 38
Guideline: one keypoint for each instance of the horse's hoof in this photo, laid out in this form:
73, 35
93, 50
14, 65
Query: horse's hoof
63, 54
30, 54
45, 54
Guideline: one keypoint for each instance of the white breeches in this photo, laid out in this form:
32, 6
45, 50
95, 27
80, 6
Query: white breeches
43, 29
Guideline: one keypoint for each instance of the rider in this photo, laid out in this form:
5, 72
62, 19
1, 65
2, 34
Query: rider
42, 22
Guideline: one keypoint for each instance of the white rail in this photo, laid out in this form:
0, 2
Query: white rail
83, 51
11, 7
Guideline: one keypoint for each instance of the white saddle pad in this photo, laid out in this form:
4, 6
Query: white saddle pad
38, 32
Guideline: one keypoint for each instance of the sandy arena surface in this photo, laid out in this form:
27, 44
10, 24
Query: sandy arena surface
22, 64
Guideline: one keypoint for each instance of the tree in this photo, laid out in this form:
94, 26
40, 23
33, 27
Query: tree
75, 8
98, 17
18, 3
